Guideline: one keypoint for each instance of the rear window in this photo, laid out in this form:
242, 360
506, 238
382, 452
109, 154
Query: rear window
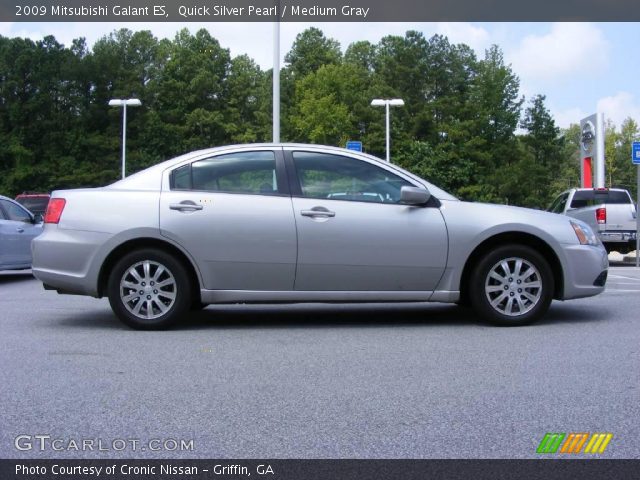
589, 198
37, 204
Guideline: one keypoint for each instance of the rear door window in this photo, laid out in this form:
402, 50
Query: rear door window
243, 172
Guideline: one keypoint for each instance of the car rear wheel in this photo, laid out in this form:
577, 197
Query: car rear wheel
512, 286
149, 289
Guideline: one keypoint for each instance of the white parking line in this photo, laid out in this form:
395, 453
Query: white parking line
626, 278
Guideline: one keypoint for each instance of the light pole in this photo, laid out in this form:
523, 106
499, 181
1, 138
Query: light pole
276, 72
276, 80
124, 103
383, 102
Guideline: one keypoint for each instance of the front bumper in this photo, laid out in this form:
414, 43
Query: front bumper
585, 270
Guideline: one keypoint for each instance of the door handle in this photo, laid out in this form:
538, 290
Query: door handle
19, 229
318, 212
186, 206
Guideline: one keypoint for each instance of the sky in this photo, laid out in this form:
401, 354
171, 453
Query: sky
580, 67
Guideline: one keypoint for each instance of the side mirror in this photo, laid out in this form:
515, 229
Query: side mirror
37, 218
414, 196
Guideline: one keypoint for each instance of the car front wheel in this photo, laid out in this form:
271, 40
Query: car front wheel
512, 286
149, 289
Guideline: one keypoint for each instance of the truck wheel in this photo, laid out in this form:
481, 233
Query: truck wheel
512, 286
149, 289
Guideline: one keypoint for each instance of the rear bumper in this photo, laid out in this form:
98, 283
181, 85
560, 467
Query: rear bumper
617, 237
64, 260
585, 272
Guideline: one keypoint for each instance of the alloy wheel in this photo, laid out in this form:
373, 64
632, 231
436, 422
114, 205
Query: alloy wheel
513, 286
148, 289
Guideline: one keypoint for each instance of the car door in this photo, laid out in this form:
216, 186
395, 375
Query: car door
354, 235
232, 213
16, 232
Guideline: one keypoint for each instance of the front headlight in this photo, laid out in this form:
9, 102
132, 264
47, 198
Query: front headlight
584, 233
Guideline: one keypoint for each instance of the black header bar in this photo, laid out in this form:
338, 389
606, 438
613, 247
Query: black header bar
553, 469
316, 10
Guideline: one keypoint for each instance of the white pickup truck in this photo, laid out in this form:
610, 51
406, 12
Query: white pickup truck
609, 211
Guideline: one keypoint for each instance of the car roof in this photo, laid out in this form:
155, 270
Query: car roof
599, 189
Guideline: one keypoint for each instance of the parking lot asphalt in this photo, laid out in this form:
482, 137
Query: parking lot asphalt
317, 381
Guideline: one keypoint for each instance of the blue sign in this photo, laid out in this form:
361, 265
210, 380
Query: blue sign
357, 146
635, 153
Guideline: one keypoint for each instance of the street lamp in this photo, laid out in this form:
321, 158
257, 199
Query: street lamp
393, 102
124, 103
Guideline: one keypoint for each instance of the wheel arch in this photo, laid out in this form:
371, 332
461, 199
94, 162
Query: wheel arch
147, 242
505, 238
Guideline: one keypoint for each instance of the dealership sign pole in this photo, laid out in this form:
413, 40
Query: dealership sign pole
592, 151
635, 158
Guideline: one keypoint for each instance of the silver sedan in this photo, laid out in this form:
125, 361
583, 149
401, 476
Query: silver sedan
305, 223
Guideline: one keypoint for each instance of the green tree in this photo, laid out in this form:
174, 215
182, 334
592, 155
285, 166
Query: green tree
242, 88
361, 54
611, 143
310, 51
189, 97
544, 146
496, 102
626, 172
327, 104
435, 164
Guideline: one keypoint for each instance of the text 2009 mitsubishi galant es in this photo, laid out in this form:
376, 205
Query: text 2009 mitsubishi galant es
305, 223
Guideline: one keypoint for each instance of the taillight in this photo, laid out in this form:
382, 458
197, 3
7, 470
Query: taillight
54, 210
601, 215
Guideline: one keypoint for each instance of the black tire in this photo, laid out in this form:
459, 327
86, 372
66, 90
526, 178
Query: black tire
157, 308
197, 305
522, 296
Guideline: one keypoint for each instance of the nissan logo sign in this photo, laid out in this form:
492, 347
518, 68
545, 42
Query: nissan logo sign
588, 137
